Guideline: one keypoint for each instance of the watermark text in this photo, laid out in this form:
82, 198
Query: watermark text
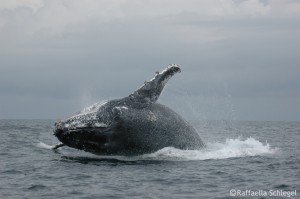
263, 193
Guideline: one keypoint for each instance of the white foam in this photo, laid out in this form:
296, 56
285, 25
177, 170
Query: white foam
230, 149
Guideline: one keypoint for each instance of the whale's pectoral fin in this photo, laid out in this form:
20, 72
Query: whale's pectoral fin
151, 90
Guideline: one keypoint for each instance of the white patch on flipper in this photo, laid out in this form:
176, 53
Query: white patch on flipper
160, 73
45, 146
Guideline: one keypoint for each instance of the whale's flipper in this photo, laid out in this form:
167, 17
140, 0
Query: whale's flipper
151, 90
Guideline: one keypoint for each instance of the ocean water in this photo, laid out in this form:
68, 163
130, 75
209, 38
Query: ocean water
240, 158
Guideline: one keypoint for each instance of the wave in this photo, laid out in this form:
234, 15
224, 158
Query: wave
231, 148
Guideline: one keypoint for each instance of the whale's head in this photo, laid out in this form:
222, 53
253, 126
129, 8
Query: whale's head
85, 131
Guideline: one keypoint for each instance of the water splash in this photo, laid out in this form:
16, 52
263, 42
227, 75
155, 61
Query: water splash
230, 149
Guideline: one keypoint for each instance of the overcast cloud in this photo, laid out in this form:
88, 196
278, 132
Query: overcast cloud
240, 59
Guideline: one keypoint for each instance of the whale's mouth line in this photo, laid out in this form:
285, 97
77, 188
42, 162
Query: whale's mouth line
83, 137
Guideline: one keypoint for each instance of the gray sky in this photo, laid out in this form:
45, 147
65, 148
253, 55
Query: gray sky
240, 59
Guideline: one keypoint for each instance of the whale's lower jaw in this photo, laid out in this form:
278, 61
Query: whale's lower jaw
88, 139
100, 142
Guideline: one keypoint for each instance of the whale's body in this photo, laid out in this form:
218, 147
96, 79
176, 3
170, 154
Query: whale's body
130, 126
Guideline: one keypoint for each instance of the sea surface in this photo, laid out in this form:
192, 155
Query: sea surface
239, 158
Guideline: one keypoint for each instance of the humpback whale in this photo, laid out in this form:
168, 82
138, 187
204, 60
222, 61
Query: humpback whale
132, 125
